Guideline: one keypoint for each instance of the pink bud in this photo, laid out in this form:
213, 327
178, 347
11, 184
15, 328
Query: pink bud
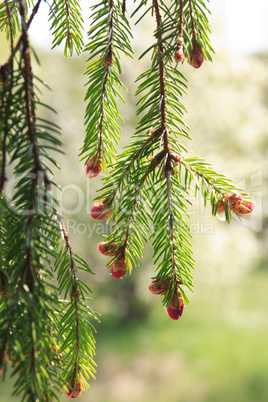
109, 249
175, 309
99, 211
74, 391
93, 167
118, 269
244, 208
159, 289
179, 55
233, 199
196, 56
235, 203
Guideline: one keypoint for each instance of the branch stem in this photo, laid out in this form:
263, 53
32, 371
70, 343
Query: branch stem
75, 290
108, 60
6, 69
192, 22
181, 19
161, 76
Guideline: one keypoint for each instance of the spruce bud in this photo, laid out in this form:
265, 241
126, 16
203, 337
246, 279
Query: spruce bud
99, 211
157, 287
93, 167
244, 208
118, 269
179, 55
196, 56
176, 307
109, 249
75, 388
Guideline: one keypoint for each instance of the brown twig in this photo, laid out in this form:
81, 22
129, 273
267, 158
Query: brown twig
171, 229
161, 76
192, 22
165, 136
75, 290
181, 19
27, 26
7, 69
108, 61
123, 8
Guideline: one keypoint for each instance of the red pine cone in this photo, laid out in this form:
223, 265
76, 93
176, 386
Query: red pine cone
99, 211
196, 56
159, 289
93, 167
118, 269
175, 309
109, 249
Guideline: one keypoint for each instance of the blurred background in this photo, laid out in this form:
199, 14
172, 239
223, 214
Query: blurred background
218, 350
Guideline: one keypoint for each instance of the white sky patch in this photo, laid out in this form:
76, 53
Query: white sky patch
240, 25
243, 24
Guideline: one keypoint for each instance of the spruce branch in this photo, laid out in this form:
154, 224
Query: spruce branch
109, 33
78, 343
26, 27
7, 81
66, 25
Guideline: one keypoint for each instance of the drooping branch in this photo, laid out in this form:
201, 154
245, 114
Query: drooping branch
192, 22
161, 75
75, 291
108, 62
26, 27
181, 19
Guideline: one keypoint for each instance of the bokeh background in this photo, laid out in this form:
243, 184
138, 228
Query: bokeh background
218, 350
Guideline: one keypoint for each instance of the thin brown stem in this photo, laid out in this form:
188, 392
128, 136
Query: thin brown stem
34, 11
171, 230
27, 26
161, 76
201, 175
75, 290
99, 151
108, 61
181, 19
69, 31
192, 22
8, 70
123, 8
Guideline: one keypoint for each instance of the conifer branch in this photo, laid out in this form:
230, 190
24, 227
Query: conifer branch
26, 27
75, 294
171, 226
107, 62
103, 70
7, 79
161, 74
192, 21
181, 19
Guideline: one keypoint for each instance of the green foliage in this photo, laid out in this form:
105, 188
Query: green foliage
13, 18
150, 199
147, 188
108, 35
57, 343
66, 25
